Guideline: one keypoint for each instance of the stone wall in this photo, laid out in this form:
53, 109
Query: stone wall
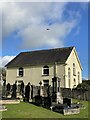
77, 94
66, 92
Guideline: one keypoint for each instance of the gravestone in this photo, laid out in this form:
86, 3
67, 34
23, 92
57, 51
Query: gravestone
71, 110
14, 87
2, 108
47, 101
67, 101
38, 100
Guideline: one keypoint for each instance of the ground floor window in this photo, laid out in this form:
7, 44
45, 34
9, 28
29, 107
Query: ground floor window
18, 83
74, 83
78, 77
46, 87
46, 83
58, 85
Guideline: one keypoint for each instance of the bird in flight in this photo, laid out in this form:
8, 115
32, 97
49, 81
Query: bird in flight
47, 29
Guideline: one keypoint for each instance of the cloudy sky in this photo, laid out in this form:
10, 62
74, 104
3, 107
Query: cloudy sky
24, 27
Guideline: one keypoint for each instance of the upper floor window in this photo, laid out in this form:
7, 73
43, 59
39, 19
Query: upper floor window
78, 77
20, 72
45, 70
74, 69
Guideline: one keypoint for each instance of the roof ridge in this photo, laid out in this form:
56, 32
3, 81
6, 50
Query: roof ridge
48, 49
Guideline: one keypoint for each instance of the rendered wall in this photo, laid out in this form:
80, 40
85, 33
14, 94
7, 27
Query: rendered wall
34, 74
69, 64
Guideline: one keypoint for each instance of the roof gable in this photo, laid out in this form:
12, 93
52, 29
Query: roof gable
74, 50
77, 58
40, 57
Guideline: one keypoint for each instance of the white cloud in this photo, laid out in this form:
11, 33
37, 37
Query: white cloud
30, 21
4, 60
38, 35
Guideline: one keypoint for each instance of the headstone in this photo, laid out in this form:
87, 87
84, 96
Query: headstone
8, 89
38, 100
4, 88
22, 89
31, 91
47, 102
14, 88
67, 101
27, 92
2, 108
69, 111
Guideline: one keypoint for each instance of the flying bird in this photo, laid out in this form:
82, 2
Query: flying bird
47, 29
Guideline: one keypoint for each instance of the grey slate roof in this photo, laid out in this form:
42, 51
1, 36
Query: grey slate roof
41, 57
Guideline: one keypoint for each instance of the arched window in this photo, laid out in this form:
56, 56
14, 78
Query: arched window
20, 72
69, 76
74, 69
78, 77
74, 83
45, 70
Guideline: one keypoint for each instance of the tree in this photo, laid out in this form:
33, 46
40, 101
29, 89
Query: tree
83, 86
3, 72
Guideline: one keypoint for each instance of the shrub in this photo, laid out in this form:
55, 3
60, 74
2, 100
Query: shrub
83, 86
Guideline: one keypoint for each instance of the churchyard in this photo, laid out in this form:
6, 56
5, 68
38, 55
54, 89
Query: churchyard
28, 110
18, 108
51, 105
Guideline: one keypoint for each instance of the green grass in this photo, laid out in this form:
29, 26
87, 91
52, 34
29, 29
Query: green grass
27, 110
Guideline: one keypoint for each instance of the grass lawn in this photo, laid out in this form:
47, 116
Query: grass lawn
27, 110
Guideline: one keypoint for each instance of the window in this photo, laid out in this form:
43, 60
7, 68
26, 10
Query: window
46, 88
74, 82
45, 70
58, 90
74, 69
46, 83
69, 76
20, 72
78, 77
18, 83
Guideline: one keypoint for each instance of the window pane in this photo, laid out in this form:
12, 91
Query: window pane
45, 70
74, 69
20, 71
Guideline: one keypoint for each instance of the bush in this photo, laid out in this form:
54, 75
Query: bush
83, 86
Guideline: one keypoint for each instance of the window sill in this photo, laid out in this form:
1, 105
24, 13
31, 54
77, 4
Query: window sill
44, 75
19, 76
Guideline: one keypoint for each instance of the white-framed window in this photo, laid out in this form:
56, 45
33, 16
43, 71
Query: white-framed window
74, 69
78, 77
20, 72
45, 70
69, 76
